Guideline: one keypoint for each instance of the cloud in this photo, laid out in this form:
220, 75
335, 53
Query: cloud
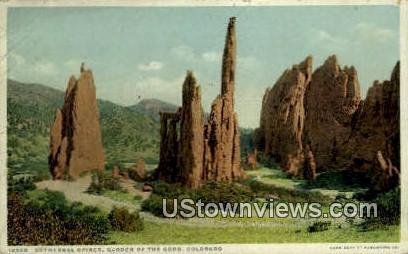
46, 68
72, 63
211, 56
17, 59
184, 52
21, 67
368, 32
363, 34
328, 40
151, 66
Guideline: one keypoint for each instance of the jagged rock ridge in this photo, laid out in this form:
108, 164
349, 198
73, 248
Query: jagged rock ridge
75, 140
318, 121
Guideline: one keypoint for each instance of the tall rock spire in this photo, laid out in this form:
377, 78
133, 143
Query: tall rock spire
76, 139
206, 151
223, 162
229, 60
191, 133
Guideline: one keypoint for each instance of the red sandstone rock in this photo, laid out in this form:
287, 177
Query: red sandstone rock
115, 171
223, 163
147, 187
251, 161
191, 133
168, 165
376, 130
75, 142
137, 171
309, 168
384, 175
202, 152
283, 116
340, 130
331, 100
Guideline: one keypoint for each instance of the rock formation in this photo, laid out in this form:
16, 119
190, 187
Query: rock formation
191, 133
138, 171
251, 162
168, 169
222, 158
115, 171
384, 175
283, 116
203, 151
75, 142
376, 131
332, 99
318, 122
309, 167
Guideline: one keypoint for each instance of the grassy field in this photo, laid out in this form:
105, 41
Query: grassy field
258, 230
159, 230
159, 233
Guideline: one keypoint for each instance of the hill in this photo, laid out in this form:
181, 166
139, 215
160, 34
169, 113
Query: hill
126, 133
152, 107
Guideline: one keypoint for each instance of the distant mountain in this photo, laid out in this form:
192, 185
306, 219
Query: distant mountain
152, 107
126, 133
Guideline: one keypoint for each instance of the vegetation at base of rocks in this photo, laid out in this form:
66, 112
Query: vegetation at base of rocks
267, 161
285, 194
154, 205
48, 219
102, 181
246, 141
122, 220
19, 184
342, 180
217, 192
318, 226
388, 209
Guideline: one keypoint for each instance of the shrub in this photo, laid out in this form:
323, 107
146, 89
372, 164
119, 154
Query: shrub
267, 160
217, 192
318, 226
222, 192
20, 184
154, 204
288, 195
51, 221
388, 210
103, 181
343, 180
389, 205
121, 220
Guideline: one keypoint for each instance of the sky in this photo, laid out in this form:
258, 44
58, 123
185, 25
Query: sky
144, 52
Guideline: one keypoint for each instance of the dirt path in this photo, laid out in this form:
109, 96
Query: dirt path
75, 191
129, 186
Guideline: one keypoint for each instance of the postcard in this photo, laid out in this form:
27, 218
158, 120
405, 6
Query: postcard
203, 127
